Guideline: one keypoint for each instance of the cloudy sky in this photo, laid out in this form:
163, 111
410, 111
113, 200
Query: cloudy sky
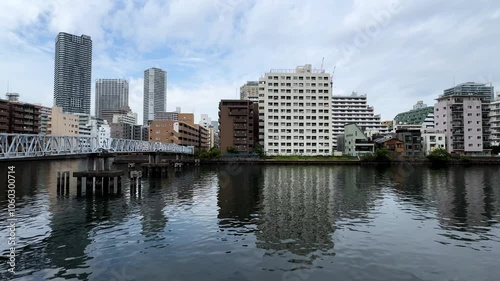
395, 51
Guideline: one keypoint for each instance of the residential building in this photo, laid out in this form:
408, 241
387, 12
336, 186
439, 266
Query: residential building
73, 72
62, 124
495, 122
45, 113
187, 118
178, 132
19, 117
250, 91
432, 141
472, 88
414, 117
155, 93
103, 134
122, 131
110, 94
347, 109
108, 114
205, 121
388, 124
355, 142
295, 111
412, 140
239, 126
128, 118
89, 125
464, 118
391, 143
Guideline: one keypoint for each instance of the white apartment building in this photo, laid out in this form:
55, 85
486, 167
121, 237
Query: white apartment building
353, 109
205, 121
250, 91
495, 121
295, 111
128, 118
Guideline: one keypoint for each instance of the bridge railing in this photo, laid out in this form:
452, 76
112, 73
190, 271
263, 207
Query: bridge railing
24, 145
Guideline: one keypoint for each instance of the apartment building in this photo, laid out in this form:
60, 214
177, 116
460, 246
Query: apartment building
295, 111
73, 72
172, 115
179, 132
472, 88
250, 91
464, 118
45, 113
62, 124
238, 125
495, 122
18, 117
110, 94
347, 109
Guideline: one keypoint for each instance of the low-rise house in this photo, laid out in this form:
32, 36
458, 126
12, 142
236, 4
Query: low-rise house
356, 143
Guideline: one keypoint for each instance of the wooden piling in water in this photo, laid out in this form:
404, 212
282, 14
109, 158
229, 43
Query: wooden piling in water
98, 186
89, 186
105, 185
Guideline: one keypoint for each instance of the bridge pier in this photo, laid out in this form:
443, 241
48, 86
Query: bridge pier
79, 186
99, 182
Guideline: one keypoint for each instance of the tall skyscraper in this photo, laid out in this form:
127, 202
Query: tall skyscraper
73, 73
110, 94
155, 93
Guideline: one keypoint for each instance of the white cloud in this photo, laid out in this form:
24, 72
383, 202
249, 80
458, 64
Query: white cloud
210, 47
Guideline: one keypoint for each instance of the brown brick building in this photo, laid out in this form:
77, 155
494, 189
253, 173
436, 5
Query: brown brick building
238, 125
19, 118
179, 132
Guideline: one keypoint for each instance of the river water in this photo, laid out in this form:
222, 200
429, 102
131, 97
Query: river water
248, 222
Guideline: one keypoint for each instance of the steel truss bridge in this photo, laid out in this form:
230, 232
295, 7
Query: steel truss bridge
15, 146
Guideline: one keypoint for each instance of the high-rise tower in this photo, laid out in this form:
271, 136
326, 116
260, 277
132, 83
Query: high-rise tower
155, 93
73, 73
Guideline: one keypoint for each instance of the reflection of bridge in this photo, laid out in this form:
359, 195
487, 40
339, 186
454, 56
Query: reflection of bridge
26, 146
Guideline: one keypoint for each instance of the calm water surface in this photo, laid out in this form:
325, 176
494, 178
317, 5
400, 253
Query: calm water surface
260, 223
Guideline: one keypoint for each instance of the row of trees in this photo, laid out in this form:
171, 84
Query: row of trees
214, 152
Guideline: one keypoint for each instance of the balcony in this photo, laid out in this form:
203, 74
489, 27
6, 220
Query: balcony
241, 134
17, 115
457, 109
457, 117
29, 123
241, 126
458, 133
238, 112
240, 120
240, 142
457, 124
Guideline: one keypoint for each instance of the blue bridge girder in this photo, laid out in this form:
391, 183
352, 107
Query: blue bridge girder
26, 146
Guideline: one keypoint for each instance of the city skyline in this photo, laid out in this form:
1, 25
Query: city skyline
387, 49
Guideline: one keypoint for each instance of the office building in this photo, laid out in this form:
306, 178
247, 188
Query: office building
110, 94
414, 117
239, 127
295, 111
353, 109
108, 114
155, 93
172, 116
19, 117
73, 72
250, 91
464, 118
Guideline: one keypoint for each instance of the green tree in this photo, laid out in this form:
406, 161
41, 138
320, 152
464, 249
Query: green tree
232, 150
214, 152
259, 150
439, 157
382, 154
